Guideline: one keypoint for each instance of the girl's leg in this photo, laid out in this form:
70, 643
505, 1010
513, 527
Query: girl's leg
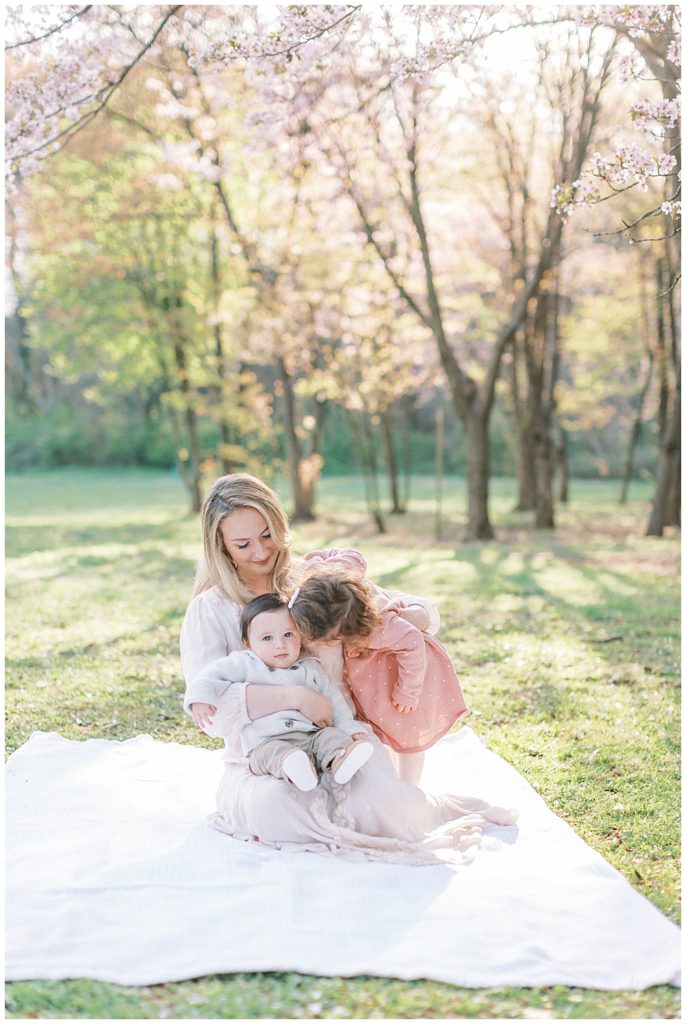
410, 767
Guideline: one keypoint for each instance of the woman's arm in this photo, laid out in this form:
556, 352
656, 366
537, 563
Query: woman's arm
263, 699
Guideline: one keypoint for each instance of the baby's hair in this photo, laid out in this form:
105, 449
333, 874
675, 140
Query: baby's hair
335, 600
263, 603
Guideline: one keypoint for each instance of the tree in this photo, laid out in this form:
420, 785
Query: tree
375, 130
653, 34
120, 294
545, 128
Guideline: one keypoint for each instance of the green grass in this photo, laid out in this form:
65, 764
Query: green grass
566, 642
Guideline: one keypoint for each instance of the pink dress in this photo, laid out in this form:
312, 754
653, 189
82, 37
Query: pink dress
399, 661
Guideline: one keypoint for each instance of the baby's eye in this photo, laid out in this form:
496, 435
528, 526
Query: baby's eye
289, 634
268, 637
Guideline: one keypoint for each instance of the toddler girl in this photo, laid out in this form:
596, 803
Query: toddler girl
402, 680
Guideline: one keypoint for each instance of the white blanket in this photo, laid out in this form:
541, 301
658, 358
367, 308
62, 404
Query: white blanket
114, 874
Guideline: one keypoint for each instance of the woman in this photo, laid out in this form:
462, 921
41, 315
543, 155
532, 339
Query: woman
246, 553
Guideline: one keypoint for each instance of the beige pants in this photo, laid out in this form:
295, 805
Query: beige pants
321, 746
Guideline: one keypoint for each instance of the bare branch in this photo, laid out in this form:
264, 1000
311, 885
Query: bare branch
50, 32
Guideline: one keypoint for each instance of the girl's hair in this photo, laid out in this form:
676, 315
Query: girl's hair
335, 601
258, 605
215, 568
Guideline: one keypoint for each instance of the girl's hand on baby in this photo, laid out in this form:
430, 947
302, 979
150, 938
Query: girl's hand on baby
203, 714
404, 709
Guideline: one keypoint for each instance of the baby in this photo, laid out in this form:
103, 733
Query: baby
285, 744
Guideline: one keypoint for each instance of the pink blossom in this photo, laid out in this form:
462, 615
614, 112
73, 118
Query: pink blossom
672, 208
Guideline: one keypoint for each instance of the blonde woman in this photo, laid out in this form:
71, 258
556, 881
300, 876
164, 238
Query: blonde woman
246, 552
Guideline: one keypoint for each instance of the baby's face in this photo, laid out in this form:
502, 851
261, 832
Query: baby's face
274, 638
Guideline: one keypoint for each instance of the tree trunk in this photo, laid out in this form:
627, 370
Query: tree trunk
440, 449
478, 471
407, 452
387, 431
674, 494
669, 468
192, 478
303, 495
549, 370
562, 465
227, 464
526, 465
366, 457
523, 439
636, 432
545, 515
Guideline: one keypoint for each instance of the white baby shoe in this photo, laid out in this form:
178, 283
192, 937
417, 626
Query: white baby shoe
350, 760
299, 769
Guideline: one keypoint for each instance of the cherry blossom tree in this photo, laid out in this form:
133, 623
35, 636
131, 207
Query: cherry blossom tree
543, 131
374, 123
650, 163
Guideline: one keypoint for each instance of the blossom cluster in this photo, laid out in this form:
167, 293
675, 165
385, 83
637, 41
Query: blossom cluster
567, 198
637, 19
658, 115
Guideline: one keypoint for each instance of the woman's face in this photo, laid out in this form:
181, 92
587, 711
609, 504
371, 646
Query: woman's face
249, 544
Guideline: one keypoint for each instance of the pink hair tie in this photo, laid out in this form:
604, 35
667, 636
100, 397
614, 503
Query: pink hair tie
293, 598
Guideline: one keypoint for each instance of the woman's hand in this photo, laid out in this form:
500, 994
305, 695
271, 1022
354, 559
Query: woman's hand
203, 714
315, 706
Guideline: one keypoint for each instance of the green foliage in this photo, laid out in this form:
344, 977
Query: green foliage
79, 433
567, 645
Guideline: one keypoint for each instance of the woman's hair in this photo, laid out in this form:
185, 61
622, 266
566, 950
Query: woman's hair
227, 495
258, 605
335, 601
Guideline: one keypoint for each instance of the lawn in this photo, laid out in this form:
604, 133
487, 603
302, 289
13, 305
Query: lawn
567, 644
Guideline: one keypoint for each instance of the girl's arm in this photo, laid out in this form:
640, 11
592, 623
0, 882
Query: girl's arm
347, 557
407, 644
416, 615
400, 602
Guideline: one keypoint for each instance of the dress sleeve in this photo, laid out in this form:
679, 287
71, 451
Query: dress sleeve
212, 682
232, 713
407, 644
210, 631
349, 558
397, 599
